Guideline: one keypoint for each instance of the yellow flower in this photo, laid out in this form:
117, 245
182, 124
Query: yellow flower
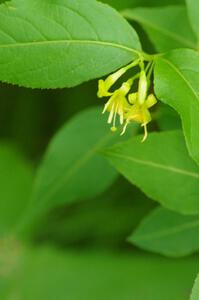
139, 112
118, 104
136, 108
105, 85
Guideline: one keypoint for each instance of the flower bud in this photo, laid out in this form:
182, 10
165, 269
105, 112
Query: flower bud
142, 87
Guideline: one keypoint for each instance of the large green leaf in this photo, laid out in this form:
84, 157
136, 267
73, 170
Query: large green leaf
167, 27
195, 291
72, 170
193, 10
48, 274
51, 44
168, 233
16, 178
177, 84
161, 167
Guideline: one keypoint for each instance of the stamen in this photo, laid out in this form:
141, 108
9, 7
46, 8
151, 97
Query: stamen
110, 118
121, 114
124, 128
121, 118
145, 133
105, 107
115, 115
113, 129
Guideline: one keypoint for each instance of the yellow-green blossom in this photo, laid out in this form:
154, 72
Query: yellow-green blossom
139, 112
136, 108
118, 104
105, 85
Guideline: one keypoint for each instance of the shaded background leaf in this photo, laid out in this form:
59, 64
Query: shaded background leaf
101, 222
92, 275
140, 3
168, 233
16, 178
72, 170
164, 35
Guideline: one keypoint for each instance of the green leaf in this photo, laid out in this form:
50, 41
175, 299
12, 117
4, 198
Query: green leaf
118, 4
193, 10
177, 84
168, 233
171, 177
16, 178
72, 170
50, 274
195, 291
103, 221
167, 27
54, 44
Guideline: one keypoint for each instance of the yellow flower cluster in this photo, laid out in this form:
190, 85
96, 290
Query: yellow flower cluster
128, 106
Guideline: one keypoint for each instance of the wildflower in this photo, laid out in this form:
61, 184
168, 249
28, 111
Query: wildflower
118, 104
105, 85
136, 107
139, 112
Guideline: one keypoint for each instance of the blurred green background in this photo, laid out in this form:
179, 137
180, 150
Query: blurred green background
77, 251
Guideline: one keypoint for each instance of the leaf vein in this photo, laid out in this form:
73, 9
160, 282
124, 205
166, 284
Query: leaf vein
58, 181
54, 42
170, 231
157, 165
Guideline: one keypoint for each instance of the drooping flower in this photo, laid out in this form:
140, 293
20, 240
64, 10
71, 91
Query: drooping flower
105, 85
139, 112
118, 104
129, 107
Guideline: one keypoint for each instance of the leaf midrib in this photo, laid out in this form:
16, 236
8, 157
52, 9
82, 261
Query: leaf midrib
56, 42
58, 182
166, 232
155, 165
